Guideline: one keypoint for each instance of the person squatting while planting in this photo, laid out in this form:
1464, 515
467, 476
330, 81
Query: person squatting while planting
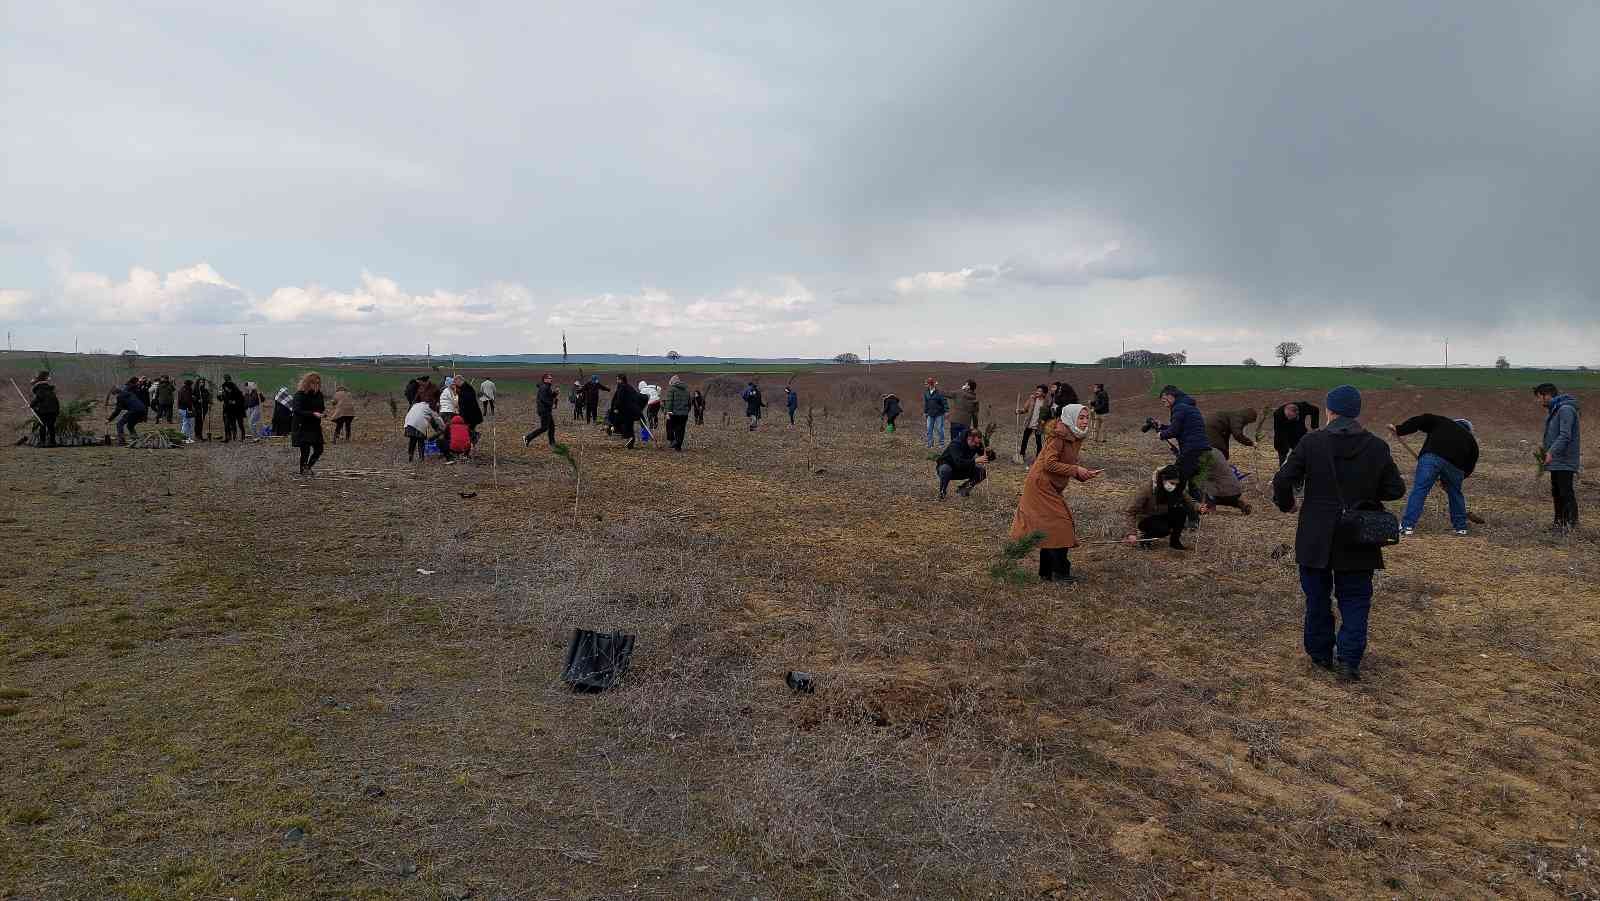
677, 404
128, 411
753, 403
1033, 427
459, 440
1561, 454
47, 407
1043, 505
963, 459
307, 430
891, 411
546, 402
421, 424
1289, 425
934, 408
1449, 455
1159, 510
1344, 468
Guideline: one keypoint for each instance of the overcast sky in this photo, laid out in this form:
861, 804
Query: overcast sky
970, 181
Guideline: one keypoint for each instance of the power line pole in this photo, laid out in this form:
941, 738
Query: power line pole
244, 345
1447, 353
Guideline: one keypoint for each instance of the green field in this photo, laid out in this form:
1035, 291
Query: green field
1218, 379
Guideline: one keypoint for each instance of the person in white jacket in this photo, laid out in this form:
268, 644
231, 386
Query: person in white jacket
652, 402
486, 396
448, 400
420, 419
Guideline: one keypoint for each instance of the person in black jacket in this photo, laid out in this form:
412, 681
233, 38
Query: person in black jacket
626, 405
131, 408
232, 410
1061, 394
201, 408
549, 398
591, 398
697, 403
306, 432
1343, 467
1289, 425
468, 406
1449, 455
1100, 406
963, 459
47, 407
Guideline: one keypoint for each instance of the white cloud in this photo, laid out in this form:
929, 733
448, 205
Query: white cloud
193, 294
1072, 267
14, 301
788, 310
380, 300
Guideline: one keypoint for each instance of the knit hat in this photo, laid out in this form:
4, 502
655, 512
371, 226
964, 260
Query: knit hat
1345, 400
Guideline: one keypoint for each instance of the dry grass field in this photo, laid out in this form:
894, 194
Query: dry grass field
221, 681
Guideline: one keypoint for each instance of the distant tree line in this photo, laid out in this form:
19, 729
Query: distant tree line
1143, 359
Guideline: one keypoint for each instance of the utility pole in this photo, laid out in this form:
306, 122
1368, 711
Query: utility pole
869, 360
1447, 353
244, 345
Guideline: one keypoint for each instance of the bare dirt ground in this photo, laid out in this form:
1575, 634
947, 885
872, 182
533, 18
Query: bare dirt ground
218, 680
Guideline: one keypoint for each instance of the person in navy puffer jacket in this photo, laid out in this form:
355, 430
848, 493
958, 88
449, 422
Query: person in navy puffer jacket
1188, 427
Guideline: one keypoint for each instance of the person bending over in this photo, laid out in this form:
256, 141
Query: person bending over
963, 459
1159, 510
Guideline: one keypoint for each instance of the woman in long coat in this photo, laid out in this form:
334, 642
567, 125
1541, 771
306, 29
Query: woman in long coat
1043, 508
307, 432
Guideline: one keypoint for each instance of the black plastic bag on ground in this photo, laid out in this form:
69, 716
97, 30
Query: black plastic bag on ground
596, 660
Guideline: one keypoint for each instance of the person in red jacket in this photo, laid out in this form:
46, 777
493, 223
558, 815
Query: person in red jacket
460, 437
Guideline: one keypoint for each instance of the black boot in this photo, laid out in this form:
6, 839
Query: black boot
1176, 542
1347, 673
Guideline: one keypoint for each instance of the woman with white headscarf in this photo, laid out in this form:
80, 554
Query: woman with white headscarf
1043, 507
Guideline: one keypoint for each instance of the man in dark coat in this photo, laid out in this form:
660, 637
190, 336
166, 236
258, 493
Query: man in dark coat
468, 407
753, 403
1290, 424
164, 397
1100, 405
626, 405
131, 409
1343, 467
547, 401
201, 408
232, 410
1449, 455
1228, 426
411, 393
47, 407
964, 415
1188, 428
963, 459
591, 398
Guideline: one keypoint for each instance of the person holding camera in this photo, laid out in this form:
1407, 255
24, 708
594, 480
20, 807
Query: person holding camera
1347, 471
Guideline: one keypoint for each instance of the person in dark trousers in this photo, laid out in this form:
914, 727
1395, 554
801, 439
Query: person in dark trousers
469, 406
963, 459
1033, 426
891, 411
1188, 427
753, 403
306, 433
965, 415
165, 394
185, 402
791, 402
283, 412
344, 414
421, 422
626, 406
1290, 423
1449, 455
935, 406
1160, 510
697, 402
1228, 426
547, 401
1343, 467
1101, 405
678, 404
1561, 454
591, 398
202, 408
129, 411
47, 407
232, 400
575, 398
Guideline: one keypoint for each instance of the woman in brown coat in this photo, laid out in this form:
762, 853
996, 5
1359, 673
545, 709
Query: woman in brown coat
344, 412
1043, 508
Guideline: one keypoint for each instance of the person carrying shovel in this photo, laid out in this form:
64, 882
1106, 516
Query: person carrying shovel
1449, 455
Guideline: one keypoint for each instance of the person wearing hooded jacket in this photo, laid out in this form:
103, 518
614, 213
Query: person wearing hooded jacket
678, 405
232, 410
47, 407
546, 401
1043, 505
753, 403
1188, 428
1344, 467
1561, 446
131, 408
185, 402
1159, 510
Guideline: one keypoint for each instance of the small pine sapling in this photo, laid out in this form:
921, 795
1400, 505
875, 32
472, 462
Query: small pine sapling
1011, 553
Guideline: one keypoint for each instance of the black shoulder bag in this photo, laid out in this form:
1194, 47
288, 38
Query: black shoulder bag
1362, 528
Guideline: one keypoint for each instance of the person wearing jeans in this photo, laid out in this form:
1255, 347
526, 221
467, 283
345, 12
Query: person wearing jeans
1344, 467
1561, 460
934, 407
1449, 456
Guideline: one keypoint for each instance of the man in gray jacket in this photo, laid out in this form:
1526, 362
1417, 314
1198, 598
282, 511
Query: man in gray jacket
1560, 447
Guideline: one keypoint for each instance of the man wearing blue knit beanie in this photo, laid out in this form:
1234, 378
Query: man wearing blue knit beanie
1344, 467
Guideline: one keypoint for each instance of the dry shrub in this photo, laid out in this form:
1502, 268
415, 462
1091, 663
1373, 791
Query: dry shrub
722, 386
858, 394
